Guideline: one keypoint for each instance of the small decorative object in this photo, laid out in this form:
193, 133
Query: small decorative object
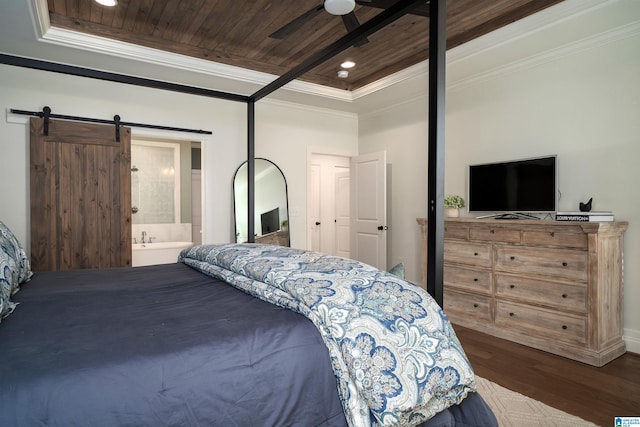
284, 225
585, 207
452, 205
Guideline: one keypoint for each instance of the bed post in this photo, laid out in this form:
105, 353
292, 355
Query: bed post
251, 171
435, 173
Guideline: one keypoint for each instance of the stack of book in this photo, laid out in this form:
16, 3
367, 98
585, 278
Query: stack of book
585, 216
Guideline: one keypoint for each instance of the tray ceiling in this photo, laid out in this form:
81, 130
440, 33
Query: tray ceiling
238, 33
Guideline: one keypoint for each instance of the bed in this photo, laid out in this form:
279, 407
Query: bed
217, 339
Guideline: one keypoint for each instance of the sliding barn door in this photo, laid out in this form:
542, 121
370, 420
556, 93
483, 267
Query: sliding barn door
80, 196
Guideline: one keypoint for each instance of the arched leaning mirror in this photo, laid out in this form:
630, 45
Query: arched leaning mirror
271, 204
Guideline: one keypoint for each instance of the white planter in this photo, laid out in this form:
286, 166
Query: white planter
451, 212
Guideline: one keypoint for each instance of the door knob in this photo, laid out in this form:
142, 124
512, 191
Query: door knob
382, 227
317, 222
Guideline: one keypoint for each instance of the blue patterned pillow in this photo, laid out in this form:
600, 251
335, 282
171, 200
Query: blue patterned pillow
15, 269
398, 270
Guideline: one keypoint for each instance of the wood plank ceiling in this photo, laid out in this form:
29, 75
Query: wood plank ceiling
236, 32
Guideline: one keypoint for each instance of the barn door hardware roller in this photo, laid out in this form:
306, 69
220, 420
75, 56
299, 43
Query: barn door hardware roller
116, 121
46, 111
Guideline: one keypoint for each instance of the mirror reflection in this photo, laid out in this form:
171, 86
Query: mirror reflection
271, 205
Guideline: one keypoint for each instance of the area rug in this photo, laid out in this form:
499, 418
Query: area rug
513, 409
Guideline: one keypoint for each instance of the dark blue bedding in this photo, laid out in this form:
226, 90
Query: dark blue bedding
166, 345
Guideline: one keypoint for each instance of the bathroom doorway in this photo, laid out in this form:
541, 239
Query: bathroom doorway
166, 190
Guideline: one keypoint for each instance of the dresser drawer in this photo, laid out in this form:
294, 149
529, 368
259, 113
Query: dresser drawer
467, 253
470, 278
560, 295
456, 231
541, 323
558, 263
469, 308
555, 238
495, 234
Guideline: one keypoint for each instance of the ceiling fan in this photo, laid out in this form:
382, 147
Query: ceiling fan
343, 8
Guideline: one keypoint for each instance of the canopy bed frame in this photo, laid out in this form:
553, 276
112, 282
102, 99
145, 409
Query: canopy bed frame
437, 48
173, 344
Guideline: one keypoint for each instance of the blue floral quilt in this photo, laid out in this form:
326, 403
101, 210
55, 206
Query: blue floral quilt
395, 355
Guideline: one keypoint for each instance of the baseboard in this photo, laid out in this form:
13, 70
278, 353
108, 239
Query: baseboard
632, 340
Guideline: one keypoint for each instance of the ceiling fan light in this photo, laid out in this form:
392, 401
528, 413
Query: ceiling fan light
109, 3
348, 64
339, 7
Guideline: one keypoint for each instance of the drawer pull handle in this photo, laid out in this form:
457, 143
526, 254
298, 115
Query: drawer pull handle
512, 314
475, 279
475, 254
565, 327
492, 231
475, 305
564, 295
553, 234
512, 286
564, 264
512, 258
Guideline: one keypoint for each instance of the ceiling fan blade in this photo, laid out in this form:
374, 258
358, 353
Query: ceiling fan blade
351, 22
421, 9
298, 22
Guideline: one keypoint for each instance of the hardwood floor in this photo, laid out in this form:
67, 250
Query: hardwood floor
594, 394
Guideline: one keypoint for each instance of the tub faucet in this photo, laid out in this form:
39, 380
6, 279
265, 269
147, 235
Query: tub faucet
144, 233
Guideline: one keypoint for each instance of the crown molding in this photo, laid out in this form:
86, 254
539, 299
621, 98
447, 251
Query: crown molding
509, 33
126, 50
629, 30
506, 34
305, 107
491, 40
524, 27
65, 37
408, 73
40, 11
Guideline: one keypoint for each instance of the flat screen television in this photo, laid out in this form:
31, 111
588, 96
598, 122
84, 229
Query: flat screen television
270, 221
519, 186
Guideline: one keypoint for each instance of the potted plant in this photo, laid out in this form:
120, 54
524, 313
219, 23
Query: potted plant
284, 225
452, 205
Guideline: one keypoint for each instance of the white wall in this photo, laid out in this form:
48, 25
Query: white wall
283, 133
31, 90
582, 104
402, 132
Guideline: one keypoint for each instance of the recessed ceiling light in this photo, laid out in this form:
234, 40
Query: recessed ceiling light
109, 3
343, 74
348, 64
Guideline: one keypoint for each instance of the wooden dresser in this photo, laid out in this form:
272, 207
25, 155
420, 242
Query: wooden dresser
555, 286
278, 238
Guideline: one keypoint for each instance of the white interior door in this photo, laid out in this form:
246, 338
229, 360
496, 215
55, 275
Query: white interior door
369, 213
328, 204
342, 215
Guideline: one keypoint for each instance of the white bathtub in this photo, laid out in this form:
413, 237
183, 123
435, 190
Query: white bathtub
157, 252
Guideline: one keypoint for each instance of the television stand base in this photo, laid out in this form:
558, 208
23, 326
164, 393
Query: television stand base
509, 215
